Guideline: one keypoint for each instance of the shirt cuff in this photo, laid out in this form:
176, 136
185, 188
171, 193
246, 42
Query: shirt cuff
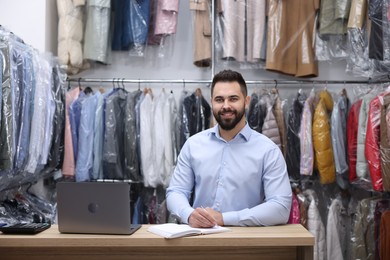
230, 218
186, 214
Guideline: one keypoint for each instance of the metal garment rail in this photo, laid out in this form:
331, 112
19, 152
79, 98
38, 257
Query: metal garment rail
194, 81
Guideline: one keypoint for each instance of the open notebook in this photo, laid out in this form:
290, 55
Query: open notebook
94, 207
172, 230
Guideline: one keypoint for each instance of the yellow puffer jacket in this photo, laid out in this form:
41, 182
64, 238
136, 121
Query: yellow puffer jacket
322, 141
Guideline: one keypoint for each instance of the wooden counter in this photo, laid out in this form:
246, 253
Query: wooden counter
277, 242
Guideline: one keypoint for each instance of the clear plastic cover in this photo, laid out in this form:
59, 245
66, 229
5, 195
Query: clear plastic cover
201, 22
70, 34
290, 38
305, 135
371, 150
243, 32
97, 40
322, 143
338, 133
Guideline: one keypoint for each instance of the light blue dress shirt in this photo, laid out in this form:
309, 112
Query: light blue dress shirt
245, 179
84, 163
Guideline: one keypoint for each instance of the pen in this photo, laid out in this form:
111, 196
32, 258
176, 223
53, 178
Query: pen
210, 215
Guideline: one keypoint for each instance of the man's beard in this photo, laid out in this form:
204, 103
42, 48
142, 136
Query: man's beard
228, 124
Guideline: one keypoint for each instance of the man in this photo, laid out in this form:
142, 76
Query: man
235, 175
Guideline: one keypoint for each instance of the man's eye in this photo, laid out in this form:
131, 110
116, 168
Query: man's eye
219, 100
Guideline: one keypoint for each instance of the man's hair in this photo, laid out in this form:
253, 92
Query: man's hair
229, 76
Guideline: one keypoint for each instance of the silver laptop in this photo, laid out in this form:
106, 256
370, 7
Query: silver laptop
94, 207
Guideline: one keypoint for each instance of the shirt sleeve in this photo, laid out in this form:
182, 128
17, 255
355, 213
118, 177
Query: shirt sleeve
180, 187
276, 207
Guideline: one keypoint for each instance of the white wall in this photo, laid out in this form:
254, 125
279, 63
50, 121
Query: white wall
33, 21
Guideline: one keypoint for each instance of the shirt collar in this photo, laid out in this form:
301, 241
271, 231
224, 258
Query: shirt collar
244, 133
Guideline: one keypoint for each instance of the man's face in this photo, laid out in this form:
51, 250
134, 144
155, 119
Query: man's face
228, 104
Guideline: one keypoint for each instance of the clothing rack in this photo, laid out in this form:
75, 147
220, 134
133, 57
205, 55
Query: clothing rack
194, 81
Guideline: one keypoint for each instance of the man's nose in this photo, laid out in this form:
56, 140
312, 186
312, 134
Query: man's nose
226, 103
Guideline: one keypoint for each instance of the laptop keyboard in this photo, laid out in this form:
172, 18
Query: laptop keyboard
25, 228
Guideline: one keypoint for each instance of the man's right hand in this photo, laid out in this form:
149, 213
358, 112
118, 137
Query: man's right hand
201, 218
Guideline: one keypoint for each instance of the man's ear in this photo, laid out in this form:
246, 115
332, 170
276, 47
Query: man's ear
247, 100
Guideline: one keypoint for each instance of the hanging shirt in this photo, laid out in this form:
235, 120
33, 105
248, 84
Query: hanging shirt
146, 142
68, 166
97, 168
39, 117
56, 156
131, 160
74, 118
6, 144
84, 163
114, 135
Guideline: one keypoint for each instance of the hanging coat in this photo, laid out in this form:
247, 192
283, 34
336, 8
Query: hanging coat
338, 131
293, 155
322, 139
305, 134
270, 126
352, 128
279, 117
372, 142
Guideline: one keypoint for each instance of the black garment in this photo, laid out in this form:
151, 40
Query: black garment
131, 166
293, 155
114, 135
375, 8
198, 113
253, 119
56, 154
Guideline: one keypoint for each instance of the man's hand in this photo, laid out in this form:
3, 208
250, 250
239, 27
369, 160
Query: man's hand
205, 218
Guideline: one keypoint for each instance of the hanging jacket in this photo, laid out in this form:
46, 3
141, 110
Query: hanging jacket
338, 133
252, 114
270, 126
315, 225
385, 144
279, 117
198, 113
322, 139
352, 131
372, 142
361, 161
293, 155
305, 134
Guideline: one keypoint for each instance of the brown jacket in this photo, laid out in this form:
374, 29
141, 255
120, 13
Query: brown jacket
290, 37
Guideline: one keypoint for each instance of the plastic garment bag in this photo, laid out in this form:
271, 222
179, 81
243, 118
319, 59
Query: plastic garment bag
70, 34
290, 47
97, 40
322, 142
338, 130
201, 21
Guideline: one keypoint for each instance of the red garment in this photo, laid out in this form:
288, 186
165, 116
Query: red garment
352, 132
295, 215
371, 150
